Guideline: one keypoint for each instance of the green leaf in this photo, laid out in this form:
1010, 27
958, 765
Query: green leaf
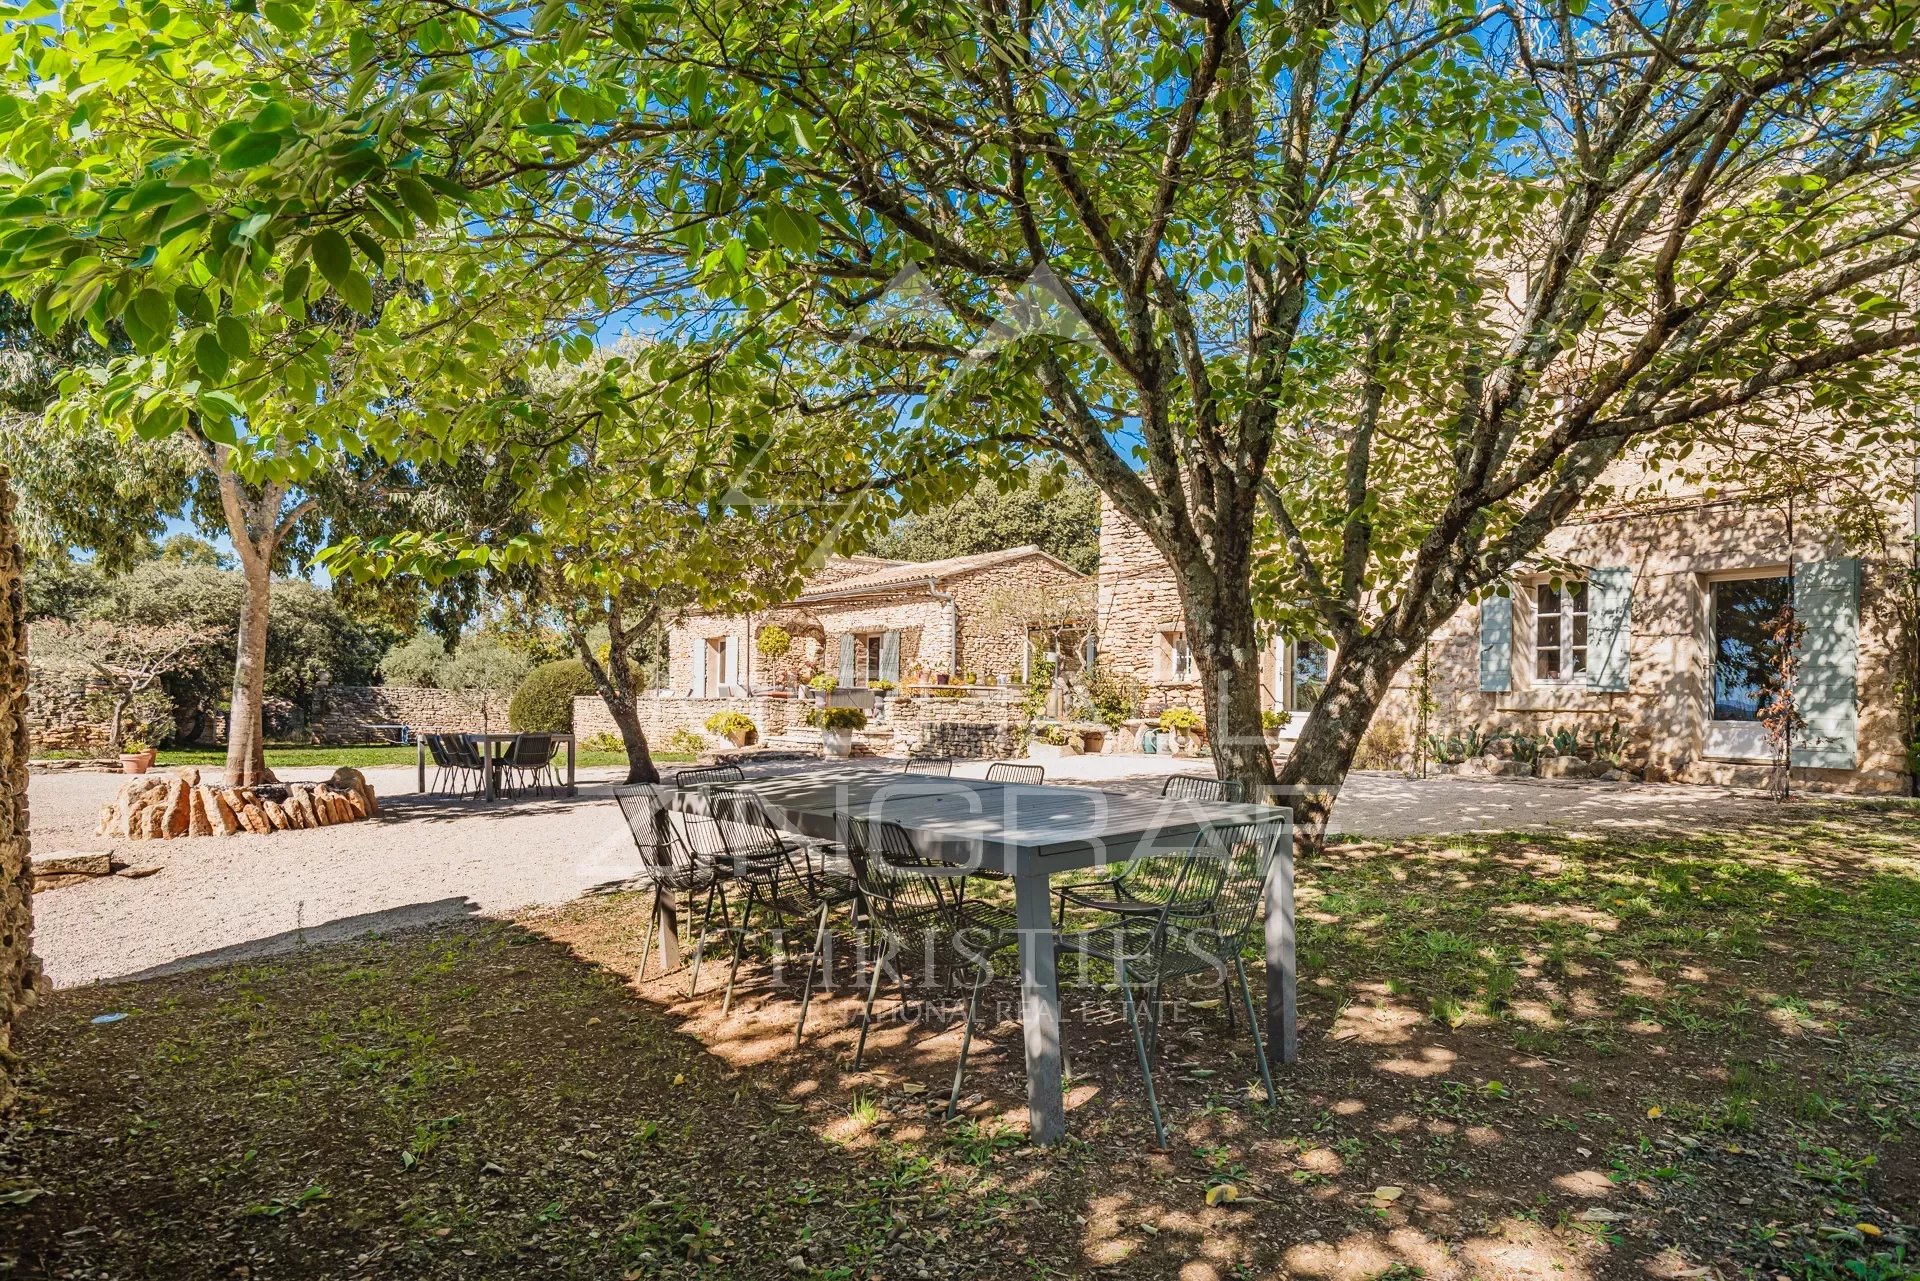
356, 291
376, 252
211, 357
418, 197
251, 151
155, 310
296, 281
235, 339
331, 255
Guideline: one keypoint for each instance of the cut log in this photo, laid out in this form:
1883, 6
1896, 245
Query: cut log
220, 814
275, 814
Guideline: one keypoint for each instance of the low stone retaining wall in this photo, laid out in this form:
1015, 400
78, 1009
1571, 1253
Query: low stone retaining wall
347, 713
965, 728
660, 717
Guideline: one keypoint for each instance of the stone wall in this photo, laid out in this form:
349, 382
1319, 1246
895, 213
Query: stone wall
973, 728
1674, 551
345, 713
660, 717
19, 971
71, 712
992, 645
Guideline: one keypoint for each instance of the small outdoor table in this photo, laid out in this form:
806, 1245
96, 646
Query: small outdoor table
1031, 832
486, 744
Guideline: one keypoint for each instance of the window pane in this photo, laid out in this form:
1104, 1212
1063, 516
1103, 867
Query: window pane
1546, 601
1579, 660
1549, 633
1577, 597
1309, 674
1548, 666
1747, 618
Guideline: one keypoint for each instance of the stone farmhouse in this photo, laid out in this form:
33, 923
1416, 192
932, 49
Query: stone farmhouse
1663, 629
970, 620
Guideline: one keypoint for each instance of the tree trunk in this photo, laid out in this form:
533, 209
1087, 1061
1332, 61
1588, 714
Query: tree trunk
246, 731
116, 735
614, 682
1357, 683
1225, 649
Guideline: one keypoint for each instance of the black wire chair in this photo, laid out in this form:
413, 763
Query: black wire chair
1202, 928
1015, 772
918, 909
530, 758
775, 869
674, 865
940, 766
1196, 787
450, 770
705, 775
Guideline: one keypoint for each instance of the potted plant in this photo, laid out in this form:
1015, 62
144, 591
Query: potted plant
1052, 741
822, 685
736, 727
136, 757
1185, 725
836, 726
1273, 720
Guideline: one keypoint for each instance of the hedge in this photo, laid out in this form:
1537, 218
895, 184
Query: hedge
544, 702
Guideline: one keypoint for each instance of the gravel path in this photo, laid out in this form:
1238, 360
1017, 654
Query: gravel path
431, 858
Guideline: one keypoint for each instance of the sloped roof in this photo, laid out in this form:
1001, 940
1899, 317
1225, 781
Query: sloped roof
902, 575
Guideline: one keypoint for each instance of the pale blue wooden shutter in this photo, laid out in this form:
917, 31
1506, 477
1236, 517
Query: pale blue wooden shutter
1609, 627
1826, 606
1496, 644
890, 657
699, 667
730, 665
846, 661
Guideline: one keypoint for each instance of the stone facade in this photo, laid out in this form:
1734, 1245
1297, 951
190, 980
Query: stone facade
347, 713
19, 970
69, 712
1674, 549
980, 727
966, 616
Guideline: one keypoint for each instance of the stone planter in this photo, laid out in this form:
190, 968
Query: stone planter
741, 737
837, 744
135, 762
1038, 751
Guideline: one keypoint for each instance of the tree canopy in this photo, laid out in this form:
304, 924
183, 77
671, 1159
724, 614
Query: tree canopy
1057, 513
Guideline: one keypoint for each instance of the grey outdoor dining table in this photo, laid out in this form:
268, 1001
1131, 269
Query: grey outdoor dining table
487, 744
1030, 833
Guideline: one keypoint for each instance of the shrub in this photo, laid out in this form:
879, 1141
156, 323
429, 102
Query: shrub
727, 724
825, 682
1183, 720
684, 742
604, 742
774, 641
544, 702
835, 718
1113, 697
880, 687
1053, 734
1381, 747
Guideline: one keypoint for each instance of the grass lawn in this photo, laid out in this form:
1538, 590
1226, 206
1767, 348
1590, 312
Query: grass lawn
1523, 1057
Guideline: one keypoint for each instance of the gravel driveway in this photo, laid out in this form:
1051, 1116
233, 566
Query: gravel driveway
430, 858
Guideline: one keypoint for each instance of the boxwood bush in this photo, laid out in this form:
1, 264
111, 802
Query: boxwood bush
544, 702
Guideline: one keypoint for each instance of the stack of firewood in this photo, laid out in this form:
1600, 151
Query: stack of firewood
156, 806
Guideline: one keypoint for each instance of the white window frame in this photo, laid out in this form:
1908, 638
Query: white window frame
1742, 740
1176, 658
1291, 682
1566, 646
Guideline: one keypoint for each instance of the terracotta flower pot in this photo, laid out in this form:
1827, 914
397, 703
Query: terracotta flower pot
135, 762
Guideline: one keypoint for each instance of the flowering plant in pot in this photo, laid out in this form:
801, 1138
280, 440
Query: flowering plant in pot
1184, 724
836, 726
823, 684
736, 727
136, 757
